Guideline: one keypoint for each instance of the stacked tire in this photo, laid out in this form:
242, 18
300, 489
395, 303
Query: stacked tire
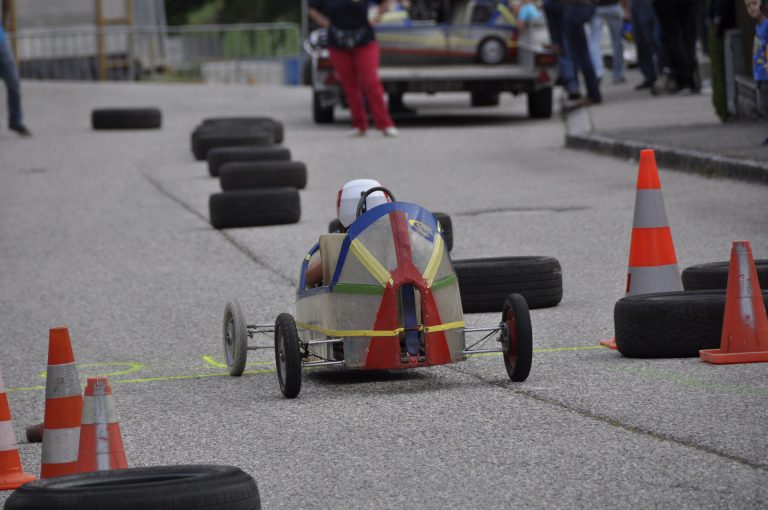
259, 181
679, 324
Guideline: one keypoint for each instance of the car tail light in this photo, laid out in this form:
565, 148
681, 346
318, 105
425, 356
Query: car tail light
546, 59
543, 77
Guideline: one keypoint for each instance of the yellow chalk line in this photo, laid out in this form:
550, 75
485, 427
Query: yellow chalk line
551, 349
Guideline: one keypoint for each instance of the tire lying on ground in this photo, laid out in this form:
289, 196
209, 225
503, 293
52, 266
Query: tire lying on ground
203, 487
484, 284
205, 139
715, 275
263, 174
126, 118
447, 224
254, 207
669, 324
222, 155
272, 125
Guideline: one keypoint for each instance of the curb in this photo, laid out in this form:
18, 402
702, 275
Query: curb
692, 161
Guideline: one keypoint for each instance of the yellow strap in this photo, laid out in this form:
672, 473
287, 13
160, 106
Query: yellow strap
507, 14
444, 327
434, 260
376, 332
373, 266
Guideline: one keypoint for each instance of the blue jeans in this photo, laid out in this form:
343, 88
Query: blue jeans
10, 76
612, 15
575, 15
554, 13
645, 30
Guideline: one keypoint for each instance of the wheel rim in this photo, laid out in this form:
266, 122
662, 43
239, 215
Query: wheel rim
492, 52
229, 341
510, 354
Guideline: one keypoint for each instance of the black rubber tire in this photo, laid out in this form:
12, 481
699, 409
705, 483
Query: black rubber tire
491, 58
275, 127
320, 114
202, 487
263, 174
126, 118
540, 103
222, 155
714, 275
205, 139
287, 348
481, 99
484, 284
447, 224
235, 337
517, 340
669, 324
254, 207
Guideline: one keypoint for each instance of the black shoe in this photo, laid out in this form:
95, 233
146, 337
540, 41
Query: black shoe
21, 130
644, 85
574, 96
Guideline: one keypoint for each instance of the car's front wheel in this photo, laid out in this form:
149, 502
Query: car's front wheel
540, 103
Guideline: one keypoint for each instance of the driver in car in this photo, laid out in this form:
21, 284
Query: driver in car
347, 201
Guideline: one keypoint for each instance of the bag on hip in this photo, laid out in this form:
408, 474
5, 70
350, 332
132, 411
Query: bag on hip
349, 38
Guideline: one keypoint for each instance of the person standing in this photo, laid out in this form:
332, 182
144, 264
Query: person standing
645, 32
355, 56
677, 19
612, 14
553, 10
576, 13
10, 75
758, 10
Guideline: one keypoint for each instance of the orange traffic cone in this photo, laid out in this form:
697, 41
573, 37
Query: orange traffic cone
11, 474
101, 446
63, 408
745, 324
652, 261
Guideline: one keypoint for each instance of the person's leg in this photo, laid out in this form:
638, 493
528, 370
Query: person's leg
642, 28
366, 63
554, 14
671, 40
343, 64
10, 75
596, 41
688, 13
576, 15
613, 16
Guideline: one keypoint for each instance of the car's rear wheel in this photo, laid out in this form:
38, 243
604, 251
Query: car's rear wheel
321, 114
540, 103
517, 337
235, 338
287, 355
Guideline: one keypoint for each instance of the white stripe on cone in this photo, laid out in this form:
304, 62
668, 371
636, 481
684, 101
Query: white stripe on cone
60, 445
7, 436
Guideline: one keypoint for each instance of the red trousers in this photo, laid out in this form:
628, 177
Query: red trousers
358, 71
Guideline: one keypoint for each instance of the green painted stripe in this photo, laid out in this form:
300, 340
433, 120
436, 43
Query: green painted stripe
444, 282
358, 288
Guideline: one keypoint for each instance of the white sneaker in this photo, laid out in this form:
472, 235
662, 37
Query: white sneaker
391, 131
357, 133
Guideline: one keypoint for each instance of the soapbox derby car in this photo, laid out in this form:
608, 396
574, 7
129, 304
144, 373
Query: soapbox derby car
389, 299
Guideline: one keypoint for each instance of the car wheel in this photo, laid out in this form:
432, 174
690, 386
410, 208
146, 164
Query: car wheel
517, 337
203, 487
222, 155
287, 355
491, 51
321, 114
254, 207
480, 99
540, 103
484, 284
714, 275
262, 174
235, 338
669, 324
447, 226
126, 118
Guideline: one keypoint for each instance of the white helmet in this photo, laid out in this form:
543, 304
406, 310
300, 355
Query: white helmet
349, 197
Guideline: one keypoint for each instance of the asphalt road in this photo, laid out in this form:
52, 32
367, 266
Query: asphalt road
107, 233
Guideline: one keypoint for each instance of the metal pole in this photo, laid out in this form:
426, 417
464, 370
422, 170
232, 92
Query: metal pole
100, 50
